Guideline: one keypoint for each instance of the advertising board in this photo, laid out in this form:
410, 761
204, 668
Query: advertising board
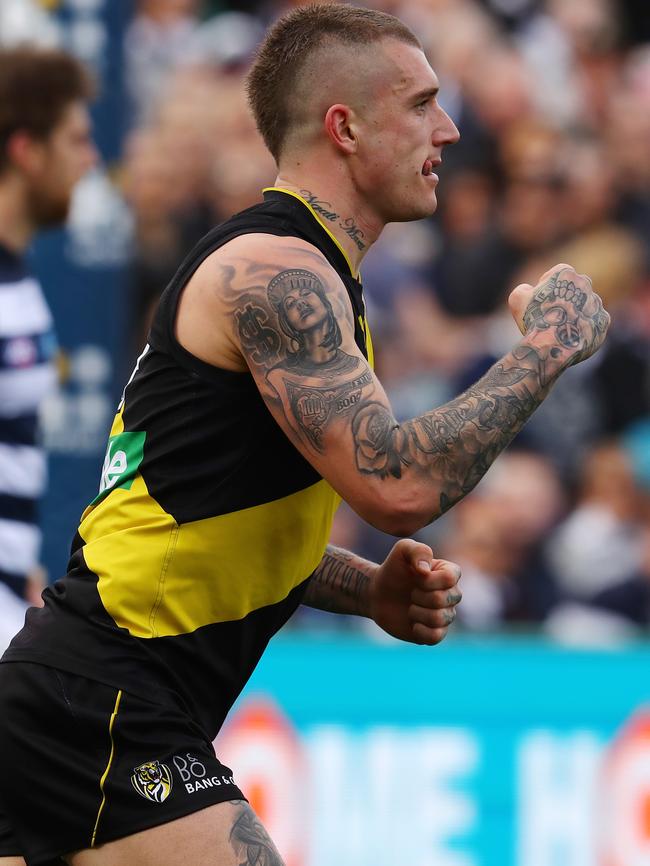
491, 752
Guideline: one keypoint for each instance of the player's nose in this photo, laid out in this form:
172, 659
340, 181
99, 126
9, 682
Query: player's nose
446, 131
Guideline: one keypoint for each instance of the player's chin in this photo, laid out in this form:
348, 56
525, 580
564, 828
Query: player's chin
426, 205
416, 210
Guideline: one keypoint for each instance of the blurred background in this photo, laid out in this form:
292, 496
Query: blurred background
523, 741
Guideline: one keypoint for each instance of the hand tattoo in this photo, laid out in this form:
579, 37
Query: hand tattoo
560, 306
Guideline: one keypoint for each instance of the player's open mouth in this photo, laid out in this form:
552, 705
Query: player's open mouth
427, 168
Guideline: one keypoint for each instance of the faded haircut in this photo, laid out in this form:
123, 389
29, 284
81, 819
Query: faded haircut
36, 86
291, 42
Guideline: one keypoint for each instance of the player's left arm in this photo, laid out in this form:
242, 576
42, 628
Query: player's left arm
411, 595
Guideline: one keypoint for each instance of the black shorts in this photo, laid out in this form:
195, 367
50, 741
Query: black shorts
82, 763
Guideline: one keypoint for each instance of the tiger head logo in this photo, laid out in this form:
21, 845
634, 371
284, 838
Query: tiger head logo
153, 781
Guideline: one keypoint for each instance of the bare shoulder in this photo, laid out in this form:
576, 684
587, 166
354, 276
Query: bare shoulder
269, 249
268, 265
283, 314
241, 286
258, 261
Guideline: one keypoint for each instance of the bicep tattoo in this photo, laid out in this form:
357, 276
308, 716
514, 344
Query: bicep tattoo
259, 340
289, 331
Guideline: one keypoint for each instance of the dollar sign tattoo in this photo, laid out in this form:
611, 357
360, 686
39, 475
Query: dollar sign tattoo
261, 343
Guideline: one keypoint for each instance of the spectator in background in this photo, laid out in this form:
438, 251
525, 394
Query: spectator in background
497, 534
599, 556
159, 36
193, 145
45, 147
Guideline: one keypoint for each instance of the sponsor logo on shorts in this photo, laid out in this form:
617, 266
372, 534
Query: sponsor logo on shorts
153, 781
194, 774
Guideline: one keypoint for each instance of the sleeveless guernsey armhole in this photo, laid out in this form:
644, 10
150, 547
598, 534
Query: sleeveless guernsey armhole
280, 214
162, 335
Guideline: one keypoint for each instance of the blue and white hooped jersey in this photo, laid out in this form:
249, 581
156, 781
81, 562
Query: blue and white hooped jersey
27, 375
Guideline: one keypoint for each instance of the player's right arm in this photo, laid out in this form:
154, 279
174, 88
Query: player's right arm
321, 391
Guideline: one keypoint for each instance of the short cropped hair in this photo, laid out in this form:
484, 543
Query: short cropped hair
36, 86
292, 41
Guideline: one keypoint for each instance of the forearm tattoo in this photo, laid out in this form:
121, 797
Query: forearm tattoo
287, 324
250, 842
458, 441
340, 583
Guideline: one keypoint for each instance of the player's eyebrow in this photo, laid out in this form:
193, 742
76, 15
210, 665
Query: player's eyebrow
423, 95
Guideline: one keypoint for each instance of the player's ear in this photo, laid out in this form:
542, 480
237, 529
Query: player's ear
339, 125
24, 151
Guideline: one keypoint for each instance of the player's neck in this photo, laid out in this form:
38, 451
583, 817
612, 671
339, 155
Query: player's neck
16, 230
338, 211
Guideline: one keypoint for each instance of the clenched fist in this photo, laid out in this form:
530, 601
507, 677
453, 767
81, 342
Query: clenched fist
563, 308
413, 596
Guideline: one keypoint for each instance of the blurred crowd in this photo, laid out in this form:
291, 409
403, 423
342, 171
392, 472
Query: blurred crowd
553, 103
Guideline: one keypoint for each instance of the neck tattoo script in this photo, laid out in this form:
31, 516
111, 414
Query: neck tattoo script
324, 208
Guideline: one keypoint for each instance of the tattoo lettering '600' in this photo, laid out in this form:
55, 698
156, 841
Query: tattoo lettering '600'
313, 407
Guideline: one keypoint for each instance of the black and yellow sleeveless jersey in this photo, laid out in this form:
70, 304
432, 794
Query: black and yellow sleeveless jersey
208, 522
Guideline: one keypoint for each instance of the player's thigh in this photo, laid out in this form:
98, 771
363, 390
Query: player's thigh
226, 834
9, 844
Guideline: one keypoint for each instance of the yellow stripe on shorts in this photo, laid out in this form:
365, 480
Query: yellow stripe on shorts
108, 767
